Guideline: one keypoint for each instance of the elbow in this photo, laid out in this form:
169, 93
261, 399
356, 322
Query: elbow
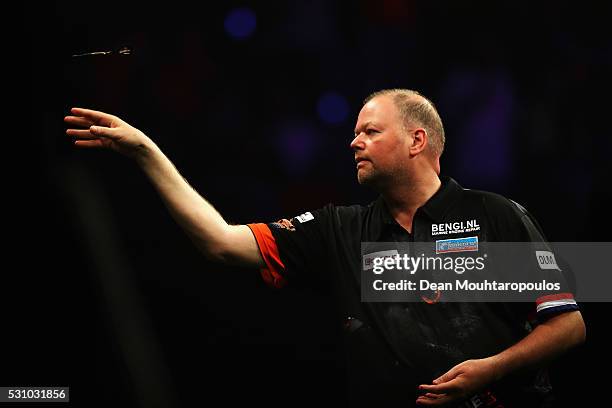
581, 330
577, 329
219, 250
213, 254
214, 251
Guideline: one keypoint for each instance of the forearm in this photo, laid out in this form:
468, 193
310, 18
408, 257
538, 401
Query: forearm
198, 218
547, 341
219, 241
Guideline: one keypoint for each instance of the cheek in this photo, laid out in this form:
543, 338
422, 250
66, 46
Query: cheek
387, 151
383, 147
395, 158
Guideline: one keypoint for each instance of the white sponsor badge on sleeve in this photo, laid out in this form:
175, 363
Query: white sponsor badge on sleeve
546, 260
307, 216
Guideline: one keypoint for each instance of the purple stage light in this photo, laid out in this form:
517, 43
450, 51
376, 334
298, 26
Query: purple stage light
332, 108
240, 23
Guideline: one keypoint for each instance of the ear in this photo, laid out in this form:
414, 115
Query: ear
419, 141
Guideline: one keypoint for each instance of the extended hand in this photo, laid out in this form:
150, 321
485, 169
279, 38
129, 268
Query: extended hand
460, 382
105, 131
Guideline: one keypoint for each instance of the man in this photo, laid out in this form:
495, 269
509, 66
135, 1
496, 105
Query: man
468, 354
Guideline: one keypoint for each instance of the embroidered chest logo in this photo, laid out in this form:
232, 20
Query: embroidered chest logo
457, 227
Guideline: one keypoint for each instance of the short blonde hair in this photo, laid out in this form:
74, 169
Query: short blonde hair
414, 107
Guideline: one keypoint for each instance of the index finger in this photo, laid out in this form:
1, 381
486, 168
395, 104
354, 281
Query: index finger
98, 117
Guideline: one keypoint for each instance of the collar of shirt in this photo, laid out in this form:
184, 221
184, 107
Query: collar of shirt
435, 208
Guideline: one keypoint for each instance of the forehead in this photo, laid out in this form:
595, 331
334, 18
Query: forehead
380, 110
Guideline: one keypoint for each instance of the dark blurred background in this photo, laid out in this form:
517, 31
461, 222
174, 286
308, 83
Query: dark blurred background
255, 103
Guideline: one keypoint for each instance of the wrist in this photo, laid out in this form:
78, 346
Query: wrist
145, 152
501, 366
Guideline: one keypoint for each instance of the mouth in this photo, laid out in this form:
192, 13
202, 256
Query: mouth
360, 161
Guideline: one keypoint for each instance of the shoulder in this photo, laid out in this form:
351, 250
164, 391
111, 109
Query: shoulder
333, 210
331, 214
496, 203
511, 220
345, 215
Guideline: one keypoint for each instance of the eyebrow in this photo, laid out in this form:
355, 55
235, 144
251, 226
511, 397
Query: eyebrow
365, 125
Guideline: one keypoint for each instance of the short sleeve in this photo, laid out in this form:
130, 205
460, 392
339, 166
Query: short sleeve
513, 225
546, 265
294, 250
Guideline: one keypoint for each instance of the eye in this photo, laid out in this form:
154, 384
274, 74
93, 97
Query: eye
371, 131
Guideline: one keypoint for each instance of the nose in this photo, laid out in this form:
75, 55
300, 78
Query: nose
358, 143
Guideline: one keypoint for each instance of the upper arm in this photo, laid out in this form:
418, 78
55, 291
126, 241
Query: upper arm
239, 247
514, 225
570, 324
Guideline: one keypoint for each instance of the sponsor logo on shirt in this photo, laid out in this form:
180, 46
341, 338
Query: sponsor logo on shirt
457, 227
307, 216
368, 259
484, 399
546, 260
284, 224
457, 245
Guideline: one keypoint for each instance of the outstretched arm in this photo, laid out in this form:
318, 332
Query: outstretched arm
219, 241
545, 342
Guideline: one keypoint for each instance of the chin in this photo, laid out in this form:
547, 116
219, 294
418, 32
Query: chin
367, 179
361, 178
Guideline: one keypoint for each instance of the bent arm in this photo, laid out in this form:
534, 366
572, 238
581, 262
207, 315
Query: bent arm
234, 244
547, 341
544, 343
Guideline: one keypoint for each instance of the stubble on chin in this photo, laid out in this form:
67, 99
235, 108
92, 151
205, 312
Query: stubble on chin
367, 179
377, 181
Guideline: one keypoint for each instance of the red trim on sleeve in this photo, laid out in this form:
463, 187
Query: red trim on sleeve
272, 273
558, 296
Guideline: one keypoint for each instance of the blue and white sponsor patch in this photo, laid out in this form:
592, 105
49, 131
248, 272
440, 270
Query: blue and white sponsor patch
457, 245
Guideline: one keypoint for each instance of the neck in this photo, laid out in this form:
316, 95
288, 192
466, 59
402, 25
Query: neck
404, 200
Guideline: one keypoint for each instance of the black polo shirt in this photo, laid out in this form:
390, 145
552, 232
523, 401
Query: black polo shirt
394, 347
